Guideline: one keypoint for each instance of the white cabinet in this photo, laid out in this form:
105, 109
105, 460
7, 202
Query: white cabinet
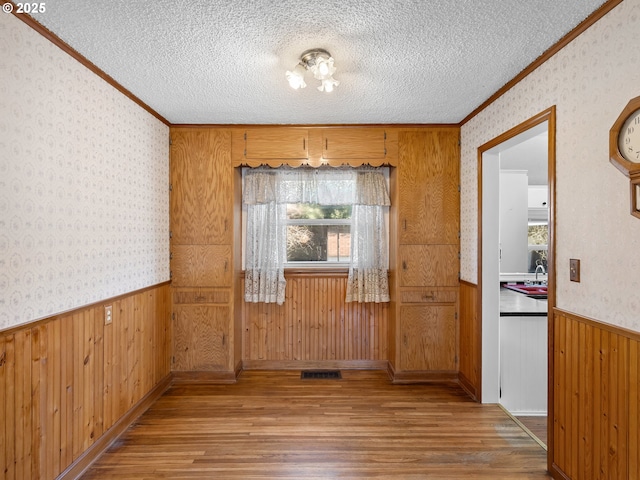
513, 221
538, 203
538, 196
523, 364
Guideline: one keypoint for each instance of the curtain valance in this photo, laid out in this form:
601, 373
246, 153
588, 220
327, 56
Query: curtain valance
322, 186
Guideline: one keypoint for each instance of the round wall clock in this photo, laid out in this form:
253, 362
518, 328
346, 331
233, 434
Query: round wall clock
624, 149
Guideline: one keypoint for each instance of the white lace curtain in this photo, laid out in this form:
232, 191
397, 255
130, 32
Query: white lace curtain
368, 268
267, 191
266, 242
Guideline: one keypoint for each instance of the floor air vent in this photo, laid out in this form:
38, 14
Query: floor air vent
321, 374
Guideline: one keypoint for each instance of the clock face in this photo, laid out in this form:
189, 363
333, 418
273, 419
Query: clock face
629, 138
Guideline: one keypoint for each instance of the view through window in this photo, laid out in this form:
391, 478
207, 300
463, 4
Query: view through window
318, 233
538, 244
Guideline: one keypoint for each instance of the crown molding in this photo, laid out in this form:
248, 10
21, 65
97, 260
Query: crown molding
65, 47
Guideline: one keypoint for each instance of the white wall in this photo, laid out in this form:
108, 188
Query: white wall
84, 210
589, 81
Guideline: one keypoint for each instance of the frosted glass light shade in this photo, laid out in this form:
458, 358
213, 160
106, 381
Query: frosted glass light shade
296, 77
328, 84
323, 68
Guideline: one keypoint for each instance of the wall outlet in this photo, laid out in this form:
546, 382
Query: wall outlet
108, 314
574, 270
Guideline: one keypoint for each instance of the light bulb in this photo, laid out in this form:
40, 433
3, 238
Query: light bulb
323, 68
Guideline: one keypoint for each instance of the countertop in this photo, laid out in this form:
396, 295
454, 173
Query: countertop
514, 304
522, 277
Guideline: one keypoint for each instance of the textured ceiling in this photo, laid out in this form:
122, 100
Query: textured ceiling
398, 61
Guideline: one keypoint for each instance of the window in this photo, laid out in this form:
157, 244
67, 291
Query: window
315, 217
538, 245
318, 234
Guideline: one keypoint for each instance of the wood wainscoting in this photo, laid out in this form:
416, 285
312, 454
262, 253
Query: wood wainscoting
470, 340
70, 384
596, 400
315, 327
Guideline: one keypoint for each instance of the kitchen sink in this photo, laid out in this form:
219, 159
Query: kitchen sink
533, 291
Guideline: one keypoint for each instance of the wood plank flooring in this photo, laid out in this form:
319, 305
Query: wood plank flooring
536, 425
274, 425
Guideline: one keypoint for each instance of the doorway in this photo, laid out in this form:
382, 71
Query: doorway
489, 250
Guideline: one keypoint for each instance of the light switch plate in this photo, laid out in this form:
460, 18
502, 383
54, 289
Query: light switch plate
574, 270
108, 315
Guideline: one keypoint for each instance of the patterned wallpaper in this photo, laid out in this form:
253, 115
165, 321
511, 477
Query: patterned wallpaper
589, 81
84, 208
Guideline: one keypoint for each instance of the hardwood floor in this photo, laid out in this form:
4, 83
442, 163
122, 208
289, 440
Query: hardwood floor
537, 425
274, 425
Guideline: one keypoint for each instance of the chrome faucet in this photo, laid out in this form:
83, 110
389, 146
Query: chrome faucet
540, 268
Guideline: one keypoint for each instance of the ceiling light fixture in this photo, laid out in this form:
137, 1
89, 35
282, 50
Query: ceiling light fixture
320, 62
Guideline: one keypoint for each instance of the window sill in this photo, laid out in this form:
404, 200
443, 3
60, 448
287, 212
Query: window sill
314, 272
335, 272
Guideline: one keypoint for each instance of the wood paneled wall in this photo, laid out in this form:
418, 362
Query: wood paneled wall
470, 365
596, 383
315, 326
67, 380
